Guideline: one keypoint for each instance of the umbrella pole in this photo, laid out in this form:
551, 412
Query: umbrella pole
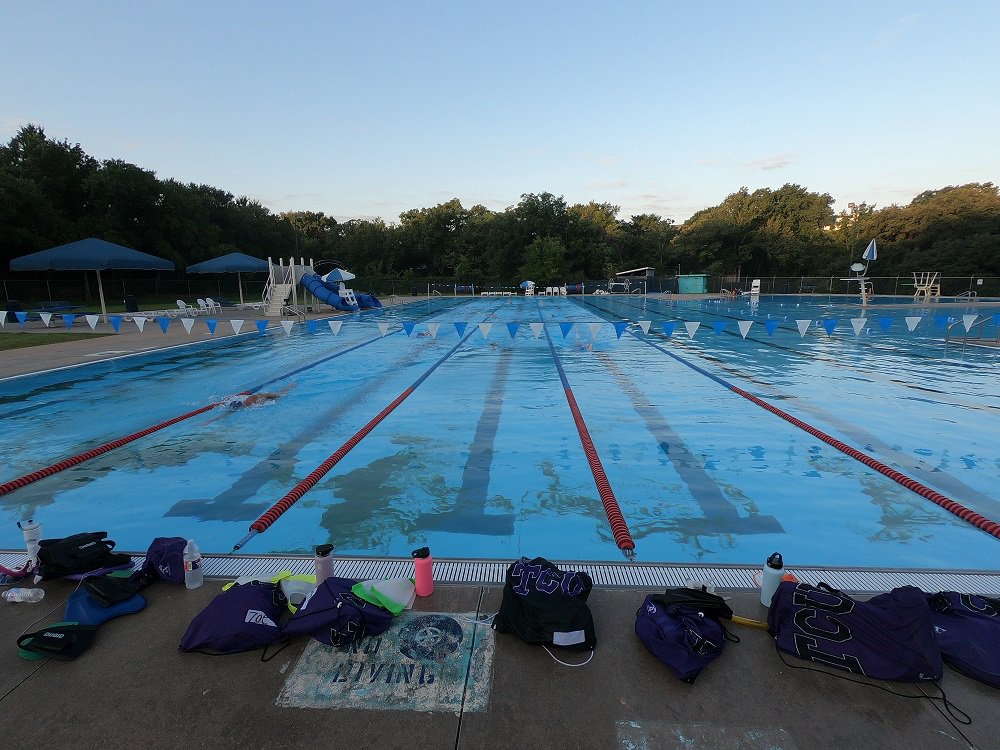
239, 281
100, 293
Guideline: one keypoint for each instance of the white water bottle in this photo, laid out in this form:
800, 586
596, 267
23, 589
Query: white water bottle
770, 578
193, 575
23, 595
32, 533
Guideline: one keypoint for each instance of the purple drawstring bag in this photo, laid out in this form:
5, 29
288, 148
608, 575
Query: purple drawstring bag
682, 636
887, 637
241, 618
333, 615
164, 561
967, 630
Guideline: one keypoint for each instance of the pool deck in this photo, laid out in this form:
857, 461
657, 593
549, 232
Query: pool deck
134, 688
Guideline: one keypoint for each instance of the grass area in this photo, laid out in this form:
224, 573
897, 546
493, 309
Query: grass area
20, 339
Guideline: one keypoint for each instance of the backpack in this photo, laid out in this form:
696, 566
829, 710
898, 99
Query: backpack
543, 604
888, 637
164, 561
681, 628
242, 618
333, 615
967, 630
80, 553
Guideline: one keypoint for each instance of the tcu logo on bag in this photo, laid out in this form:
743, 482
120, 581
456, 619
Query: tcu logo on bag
817, 621
546, 580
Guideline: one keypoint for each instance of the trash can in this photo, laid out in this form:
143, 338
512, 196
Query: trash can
131, 303
692, 284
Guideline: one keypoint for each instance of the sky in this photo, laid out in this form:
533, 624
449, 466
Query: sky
368, 109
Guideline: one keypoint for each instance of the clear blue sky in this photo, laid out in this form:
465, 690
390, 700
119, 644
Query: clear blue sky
366, 109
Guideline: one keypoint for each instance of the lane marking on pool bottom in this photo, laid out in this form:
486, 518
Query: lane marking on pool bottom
955, 508
427, 661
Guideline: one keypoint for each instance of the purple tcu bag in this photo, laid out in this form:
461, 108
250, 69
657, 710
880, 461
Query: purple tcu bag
680, 635
967, 629
241, 618
164, 561
333, 615
888, 637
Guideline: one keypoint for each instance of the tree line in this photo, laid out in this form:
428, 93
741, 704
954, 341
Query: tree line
52, 192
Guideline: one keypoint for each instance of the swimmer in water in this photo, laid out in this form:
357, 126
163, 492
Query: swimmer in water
255, 399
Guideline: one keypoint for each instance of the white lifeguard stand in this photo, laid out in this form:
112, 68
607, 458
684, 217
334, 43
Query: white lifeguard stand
859, 274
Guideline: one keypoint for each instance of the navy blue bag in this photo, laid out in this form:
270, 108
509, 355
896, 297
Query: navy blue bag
888, 637
241, 618
685, 637
164, 561
333, 615
967, 629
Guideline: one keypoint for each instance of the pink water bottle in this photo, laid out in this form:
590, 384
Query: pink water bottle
423, 575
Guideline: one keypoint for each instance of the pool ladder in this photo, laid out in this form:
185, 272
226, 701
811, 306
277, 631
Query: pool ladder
975, 333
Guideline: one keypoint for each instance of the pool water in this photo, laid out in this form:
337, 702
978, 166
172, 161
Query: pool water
483, 459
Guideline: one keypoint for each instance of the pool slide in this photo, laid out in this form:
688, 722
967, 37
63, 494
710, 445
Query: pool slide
329, 294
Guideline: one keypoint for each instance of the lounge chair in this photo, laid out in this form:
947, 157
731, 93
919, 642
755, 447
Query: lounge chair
213, 306
185, 309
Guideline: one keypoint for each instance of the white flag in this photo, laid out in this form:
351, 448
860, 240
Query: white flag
692, 327
858, 324
536, 329
803, 326
335, 327
912, 321
485, 328
968, 321
433, 328
188, 324
644, 325
595, 328
140, 323
237, 325
45, 316
287, 325
383, 327
744, 327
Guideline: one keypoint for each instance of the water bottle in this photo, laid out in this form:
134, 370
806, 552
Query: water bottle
23, 595
423, 566
324, 562
32, 533
193, 574
770, 578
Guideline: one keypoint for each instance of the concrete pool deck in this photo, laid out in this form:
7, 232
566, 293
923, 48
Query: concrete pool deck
134, 688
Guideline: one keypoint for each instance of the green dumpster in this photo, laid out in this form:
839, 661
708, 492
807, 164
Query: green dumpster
696, 283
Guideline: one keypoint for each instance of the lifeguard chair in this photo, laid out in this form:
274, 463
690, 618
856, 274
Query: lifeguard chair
926, 286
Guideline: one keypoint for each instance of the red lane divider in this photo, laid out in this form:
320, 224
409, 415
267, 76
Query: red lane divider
48, 471
293, 495
956, 508
623, 537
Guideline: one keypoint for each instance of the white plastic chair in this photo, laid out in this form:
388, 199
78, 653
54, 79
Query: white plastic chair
213, 306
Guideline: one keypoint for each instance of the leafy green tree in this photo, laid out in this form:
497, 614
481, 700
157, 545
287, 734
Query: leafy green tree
545, 262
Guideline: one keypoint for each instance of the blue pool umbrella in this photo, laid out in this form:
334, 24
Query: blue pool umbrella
527, 284
90, 254
238, 263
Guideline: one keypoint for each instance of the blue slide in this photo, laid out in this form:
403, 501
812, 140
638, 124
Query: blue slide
325, 292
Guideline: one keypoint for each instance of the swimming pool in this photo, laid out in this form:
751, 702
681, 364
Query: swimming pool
483, 459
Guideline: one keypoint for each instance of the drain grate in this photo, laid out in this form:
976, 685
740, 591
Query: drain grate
611, 575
